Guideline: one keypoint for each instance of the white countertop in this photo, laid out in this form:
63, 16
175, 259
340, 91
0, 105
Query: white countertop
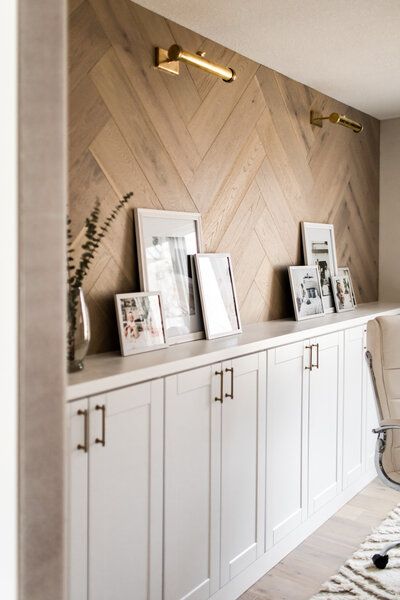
104, 372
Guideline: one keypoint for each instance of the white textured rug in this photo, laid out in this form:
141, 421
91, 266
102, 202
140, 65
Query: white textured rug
358, 578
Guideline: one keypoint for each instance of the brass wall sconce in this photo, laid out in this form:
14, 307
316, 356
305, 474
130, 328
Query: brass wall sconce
316, 119
168, 60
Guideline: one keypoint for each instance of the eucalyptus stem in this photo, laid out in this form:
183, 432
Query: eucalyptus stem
77, 272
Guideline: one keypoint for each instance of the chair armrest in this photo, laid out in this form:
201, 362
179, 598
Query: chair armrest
387, 424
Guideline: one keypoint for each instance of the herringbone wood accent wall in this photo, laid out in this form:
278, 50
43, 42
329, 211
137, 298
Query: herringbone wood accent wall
243, 155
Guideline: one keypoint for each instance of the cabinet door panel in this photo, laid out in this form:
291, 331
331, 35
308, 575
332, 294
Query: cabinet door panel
287, 404
78, 502
191, 509
243, 464
353, 405
325, 419
125, 495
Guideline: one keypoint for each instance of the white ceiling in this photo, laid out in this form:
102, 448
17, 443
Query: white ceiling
348, 49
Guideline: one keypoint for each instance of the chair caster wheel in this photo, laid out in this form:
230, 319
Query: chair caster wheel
380, 560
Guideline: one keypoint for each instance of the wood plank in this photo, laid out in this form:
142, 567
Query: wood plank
217, 219
87, 42
139, 133
216, 165
87, 116
121, 168
135, 52
220, 102
182, 89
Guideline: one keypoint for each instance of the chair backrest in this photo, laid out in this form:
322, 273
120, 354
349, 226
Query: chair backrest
383, 342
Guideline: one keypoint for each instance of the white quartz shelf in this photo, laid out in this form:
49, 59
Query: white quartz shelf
108, 371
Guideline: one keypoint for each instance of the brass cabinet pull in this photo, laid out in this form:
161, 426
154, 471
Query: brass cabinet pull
85, 445
102, 440
310, 363
221, 393
231, 372
317, 363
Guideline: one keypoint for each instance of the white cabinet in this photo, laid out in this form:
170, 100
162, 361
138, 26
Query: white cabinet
242, 464
353, 405
304, 416
325, 420
214, 475
192, 504
287, 409
116, 477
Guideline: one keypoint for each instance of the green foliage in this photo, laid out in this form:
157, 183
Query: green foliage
76, 272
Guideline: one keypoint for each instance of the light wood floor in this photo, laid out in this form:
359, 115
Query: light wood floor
302, 572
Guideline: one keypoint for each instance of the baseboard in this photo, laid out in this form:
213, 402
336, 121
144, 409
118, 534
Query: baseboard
261, 566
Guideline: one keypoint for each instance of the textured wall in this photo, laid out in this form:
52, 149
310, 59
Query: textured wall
243, 155
389, 272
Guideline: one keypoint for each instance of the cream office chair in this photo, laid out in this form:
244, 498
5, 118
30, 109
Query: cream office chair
383, 356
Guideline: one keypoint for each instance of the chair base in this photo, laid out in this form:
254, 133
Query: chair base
381, 560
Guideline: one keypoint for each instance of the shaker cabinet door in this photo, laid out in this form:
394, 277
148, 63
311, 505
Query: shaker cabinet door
353, 405
287, 405
325, 420
243, 463
192, 503
125, 493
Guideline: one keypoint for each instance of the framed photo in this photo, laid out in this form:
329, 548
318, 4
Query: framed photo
345, 271
166, 243
342, 293
320, 250
307, 296
140, 322
218, 295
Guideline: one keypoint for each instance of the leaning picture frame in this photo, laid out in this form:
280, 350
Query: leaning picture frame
306, 291
218, 295
166, 243
140, 320
343, 272
320, 250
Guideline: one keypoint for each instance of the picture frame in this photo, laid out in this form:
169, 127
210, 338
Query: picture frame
346, 271
218, 295
320, 249
342, 293
140, 318
305, 284
166, 242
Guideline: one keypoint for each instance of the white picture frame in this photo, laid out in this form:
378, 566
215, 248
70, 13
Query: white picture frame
305, 285
218, 295
346, 271
320, 249
140, 318
342, 293
166, 241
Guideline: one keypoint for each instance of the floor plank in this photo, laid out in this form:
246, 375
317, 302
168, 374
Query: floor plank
300, 575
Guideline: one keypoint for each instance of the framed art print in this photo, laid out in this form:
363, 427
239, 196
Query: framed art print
166, 243
320, 250
140, 322
342, 293
345, 272
218, 295
306, 289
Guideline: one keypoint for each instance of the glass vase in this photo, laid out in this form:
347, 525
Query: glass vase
78, 330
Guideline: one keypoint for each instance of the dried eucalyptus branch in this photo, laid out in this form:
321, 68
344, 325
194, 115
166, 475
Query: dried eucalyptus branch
76, 274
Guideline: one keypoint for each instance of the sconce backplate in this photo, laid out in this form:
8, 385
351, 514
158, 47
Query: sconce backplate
316, 118
163, 62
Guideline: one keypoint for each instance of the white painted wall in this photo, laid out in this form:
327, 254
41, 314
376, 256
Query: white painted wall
8, 300
389, 246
